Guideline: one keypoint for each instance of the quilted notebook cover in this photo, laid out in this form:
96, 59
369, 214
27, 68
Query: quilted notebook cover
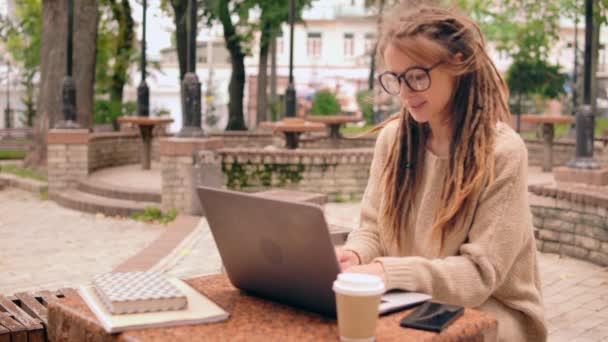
138, 292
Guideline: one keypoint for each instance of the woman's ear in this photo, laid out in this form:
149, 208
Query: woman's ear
458, 58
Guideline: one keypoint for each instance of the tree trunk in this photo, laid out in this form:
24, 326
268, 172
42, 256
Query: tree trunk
180, 11
53, 69
85, 51
124, 47
237, 79
262, 95
273, 70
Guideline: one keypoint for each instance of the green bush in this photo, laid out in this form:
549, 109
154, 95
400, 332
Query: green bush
107, 111
365, 102
535, 77
325, 103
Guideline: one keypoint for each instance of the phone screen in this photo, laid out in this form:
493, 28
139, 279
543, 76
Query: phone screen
432, 316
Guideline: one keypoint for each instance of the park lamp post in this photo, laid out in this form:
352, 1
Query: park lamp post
69, 87
290, 92
7, 111
191, 126
143, 93
585, 120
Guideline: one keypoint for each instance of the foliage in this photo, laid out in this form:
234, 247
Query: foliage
12, 154
243, 175
276, 108
365, 102
107, 111
22, 172
325, 103
22, 34
155, 215
526, 77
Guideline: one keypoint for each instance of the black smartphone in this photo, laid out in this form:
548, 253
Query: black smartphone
432, 316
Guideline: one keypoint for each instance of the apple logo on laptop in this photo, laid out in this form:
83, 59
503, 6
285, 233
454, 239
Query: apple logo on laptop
271, 251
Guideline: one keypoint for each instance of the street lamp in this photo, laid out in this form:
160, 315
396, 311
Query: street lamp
69, 87
7, 111
290, 93
584, 115
143, 93
192, 87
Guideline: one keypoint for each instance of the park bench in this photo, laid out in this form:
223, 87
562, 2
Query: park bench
24, 316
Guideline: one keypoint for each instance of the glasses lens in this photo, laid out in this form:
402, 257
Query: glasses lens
418, 79
390, 83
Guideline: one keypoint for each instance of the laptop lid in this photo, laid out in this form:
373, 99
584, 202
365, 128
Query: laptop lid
272, 248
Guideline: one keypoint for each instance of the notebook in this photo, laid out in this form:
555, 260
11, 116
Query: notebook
199, 310
138, 292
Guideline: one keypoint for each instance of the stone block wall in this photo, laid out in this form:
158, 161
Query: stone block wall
236, 139
341, 174
179, 158
67, 158
563, 152
118, 148
571, 220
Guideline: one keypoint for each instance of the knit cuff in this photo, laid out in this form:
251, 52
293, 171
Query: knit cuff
400, 273
363, 251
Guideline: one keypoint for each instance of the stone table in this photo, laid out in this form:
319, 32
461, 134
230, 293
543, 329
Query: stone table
292, 128
334, 122
548, 122
146, 126
254, 319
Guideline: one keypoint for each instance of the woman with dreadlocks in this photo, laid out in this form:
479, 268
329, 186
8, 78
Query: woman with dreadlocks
445, 211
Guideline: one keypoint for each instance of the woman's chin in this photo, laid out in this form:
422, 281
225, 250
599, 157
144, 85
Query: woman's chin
419, 117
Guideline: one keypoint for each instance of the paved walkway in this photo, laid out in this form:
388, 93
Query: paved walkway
45, 246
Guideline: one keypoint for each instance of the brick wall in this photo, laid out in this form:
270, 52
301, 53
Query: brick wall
235, 139
563, 152
341, 174
185, 165
67, 158
571, 220
116, 149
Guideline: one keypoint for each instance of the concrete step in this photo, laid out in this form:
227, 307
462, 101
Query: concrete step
100, 188
82, 201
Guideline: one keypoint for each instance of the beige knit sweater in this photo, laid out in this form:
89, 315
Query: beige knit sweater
488, 262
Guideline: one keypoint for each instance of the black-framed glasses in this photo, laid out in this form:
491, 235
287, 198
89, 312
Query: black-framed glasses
416, 78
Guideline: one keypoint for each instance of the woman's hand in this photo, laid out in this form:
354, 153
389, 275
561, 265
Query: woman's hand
374, 268
346, 258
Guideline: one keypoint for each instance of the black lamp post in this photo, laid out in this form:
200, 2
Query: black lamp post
290, 93
575, 74
69, 87
143, 93
192, 87
7, 111
585, 120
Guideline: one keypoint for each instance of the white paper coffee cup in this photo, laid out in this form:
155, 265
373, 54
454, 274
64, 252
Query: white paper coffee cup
357, 300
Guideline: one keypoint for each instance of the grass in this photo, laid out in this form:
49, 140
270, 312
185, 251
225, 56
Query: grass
11, 155
22, 172
155, 215
16, 141
352, 130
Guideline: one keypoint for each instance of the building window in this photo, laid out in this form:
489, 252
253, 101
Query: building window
370, 42
313, 47
349, 44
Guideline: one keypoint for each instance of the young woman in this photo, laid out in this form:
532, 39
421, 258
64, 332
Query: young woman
445, 211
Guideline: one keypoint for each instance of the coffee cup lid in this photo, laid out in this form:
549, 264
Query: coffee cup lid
358, 284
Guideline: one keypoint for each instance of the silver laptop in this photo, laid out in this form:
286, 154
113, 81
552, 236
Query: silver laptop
280, 250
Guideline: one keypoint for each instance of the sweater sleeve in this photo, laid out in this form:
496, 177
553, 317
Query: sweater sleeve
498, 232
365, 241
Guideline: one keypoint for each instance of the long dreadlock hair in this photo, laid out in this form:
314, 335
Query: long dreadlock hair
478, 103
